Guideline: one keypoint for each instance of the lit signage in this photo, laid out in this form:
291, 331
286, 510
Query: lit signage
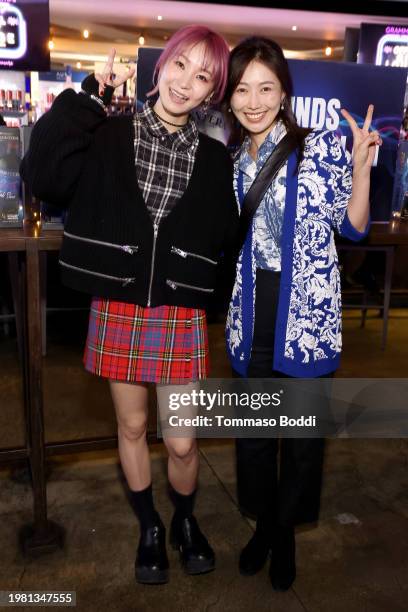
13, 32
392, 50
24, 35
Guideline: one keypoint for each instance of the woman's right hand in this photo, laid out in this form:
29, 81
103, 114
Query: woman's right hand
107, 77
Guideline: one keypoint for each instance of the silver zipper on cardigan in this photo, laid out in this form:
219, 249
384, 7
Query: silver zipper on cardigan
155, 231
127, 248
189, 254
174, 285
124, 280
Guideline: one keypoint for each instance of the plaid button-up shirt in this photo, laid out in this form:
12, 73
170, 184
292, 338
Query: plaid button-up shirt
164, 161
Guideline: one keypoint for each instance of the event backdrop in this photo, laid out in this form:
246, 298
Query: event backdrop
321, 89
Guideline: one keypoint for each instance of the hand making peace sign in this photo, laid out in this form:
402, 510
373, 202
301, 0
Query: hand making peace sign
108, 77
364, 141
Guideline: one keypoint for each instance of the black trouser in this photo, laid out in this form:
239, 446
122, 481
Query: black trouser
293, 496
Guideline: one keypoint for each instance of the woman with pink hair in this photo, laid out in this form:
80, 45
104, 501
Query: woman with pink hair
151, 210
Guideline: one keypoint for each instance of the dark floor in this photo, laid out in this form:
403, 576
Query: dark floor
356, 559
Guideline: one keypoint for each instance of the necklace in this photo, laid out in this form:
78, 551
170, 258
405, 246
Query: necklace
169, 122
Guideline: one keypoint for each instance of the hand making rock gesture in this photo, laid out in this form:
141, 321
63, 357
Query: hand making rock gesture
108, 77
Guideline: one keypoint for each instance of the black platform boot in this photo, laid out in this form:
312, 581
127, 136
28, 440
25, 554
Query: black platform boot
197, 556
151, 565
282, 571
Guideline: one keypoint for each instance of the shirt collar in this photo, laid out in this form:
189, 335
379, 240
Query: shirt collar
246, 162
184, 138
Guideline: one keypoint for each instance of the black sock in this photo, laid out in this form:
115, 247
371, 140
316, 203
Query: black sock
184, 504
143, 506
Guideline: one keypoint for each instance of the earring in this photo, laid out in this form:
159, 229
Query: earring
229, 110
282, 107
206, 104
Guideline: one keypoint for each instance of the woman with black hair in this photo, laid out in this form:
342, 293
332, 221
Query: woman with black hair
284, 318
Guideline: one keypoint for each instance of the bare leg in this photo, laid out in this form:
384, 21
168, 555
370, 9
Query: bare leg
131, 405
183, 462
196, 554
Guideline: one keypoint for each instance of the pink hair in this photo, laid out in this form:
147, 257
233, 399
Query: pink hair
216, 55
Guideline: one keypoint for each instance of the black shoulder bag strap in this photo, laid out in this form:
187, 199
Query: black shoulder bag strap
264, 178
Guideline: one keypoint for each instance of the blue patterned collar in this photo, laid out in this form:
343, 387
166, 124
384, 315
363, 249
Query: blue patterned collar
246, 163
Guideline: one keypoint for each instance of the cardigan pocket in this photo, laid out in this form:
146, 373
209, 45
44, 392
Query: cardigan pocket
186, 254
124, 280
126, 248
175, 285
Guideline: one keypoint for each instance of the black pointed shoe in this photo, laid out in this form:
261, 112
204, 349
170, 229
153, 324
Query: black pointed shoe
254, 555
282, 571
152, 565
197, 556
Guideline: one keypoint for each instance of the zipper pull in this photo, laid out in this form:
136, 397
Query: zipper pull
178, 252
129, 249
172, 285
155, 229
128, 281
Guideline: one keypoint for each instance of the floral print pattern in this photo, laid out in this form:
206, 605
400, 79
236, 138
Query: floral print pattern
313, 319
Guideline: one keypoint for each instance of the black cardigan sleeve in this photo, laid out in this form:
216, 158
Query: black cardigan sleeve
58, 146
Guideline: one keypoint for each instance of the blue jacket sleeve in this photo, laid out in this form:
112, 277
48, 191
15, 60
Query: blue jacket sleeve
341, 181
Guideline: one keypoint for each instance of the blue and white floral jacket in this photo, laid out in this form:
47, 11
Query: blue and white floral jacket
308, 324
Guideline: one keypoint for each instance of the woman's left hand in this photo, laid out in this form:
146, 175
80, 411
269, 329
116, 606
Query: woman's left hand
364, 141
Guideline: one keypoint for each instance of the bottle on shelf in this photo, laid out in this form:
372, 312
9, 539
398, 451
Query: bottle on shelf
404, 209
9, 99
17, 101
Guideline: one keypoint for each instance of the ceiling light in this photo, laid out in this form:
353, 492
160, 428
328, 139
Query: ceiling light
68, 57
159, 18
141, 40
51, 45
294, 28
78, 65
85, 33
328, 50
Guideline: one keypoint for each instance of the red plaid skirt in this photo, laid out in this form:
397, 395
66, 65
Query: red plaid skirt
131, 343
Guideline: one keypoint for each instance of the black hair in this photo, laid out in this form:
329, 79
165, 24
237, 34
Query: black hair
271, 55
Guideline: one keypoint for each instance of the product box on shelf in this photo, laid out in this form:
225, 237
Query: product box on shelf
11, 207
45, 213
